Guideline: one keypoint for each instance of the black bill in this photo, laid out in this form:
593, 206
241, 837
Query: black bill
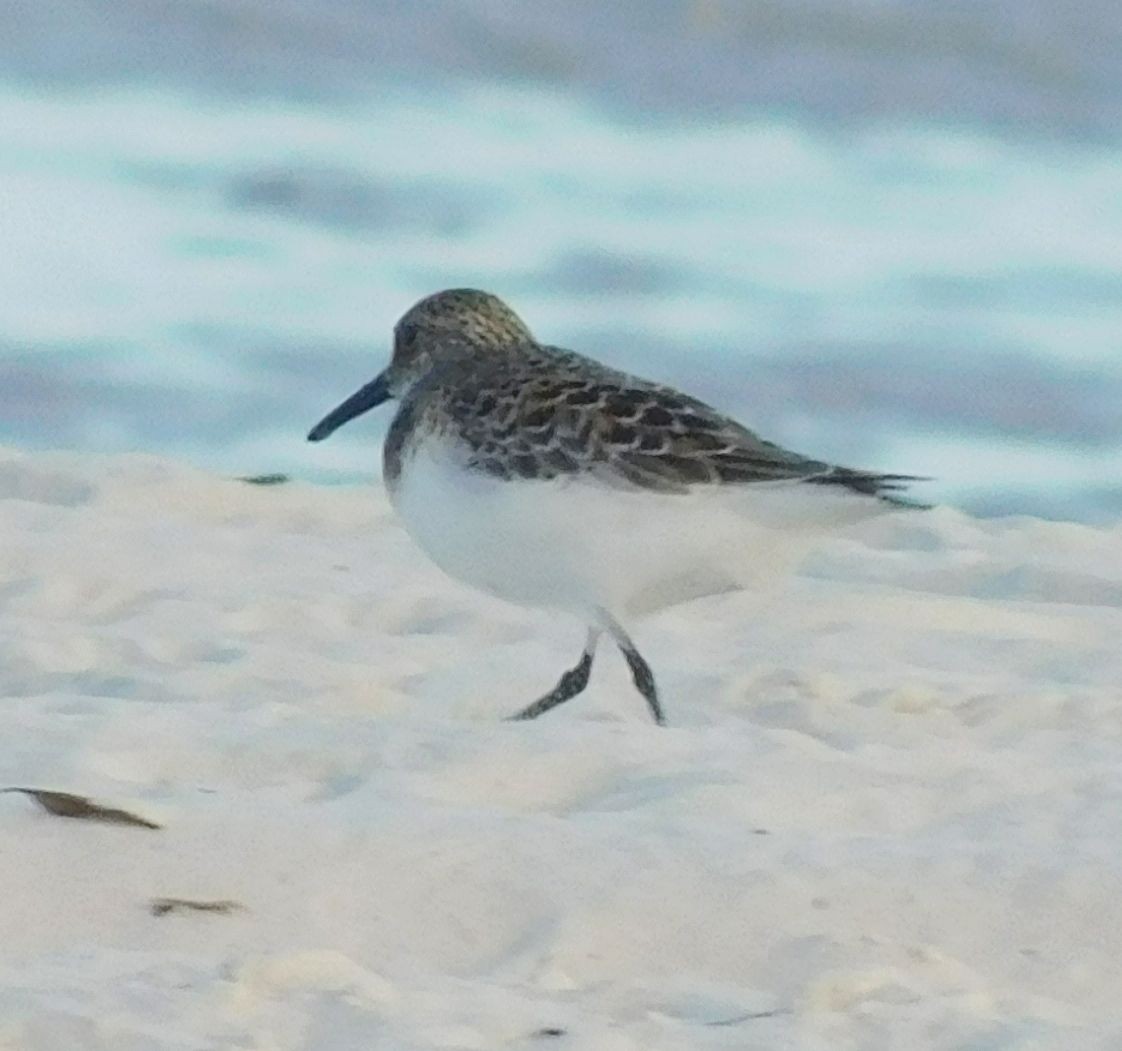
374, 393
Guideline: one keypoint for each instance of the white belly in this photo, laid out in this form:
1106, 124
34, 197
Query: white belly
577, 544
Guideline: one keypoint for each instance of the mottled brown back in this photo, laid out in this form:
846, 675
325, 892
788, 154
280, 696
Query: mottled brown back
538, 412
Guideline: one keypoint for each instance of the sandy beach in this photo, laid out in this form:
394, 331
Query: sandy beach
885, 814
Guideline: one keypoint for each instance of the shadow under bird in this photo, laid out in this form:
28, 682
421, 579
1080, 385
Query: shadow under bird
550, 480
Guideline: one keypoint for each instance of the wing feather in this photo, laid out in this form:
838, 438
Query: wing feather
546, 412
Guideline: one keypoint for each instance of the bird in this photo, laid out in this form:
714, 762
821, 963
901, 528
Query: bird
551, 480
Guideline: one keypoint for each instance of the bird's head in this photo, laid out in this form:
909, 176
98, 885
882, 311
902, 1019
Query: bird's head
446, 326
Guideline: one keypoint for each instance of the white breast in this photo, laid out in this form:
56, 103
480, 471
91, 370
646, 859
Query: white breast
578, 544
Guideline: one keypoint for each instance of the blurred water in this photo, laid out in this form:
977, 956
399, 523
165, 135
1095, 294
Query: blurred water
209, 232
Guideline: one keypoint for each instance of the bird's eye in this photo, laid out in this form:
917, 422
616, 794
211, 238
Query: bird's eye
406, 336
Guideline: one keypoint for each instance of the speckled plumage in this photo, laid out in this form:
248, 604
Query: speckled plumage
525, 410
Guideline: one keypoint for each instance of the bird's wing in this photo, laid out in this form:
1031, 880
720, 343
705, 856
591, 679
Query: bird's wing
577, 417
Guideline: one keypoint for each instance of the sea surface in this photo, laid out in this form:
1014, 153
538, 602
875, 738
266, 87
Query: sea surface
883, 233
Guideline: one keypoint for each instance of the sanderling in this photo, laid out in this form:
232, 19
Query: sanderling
548, 479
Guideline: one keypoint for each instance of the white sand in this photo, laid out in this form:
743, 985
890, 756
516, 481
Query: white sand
887, 812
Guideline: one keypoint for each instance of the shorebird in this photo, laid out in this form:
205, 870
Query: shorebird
548, 479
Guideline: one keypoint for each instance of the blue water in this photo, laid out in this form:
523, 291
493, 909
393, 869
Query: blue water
199, 259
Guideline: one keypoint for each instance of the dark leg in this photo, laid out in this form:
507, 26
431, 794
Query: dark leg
572, 682
641, 673
643, 678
